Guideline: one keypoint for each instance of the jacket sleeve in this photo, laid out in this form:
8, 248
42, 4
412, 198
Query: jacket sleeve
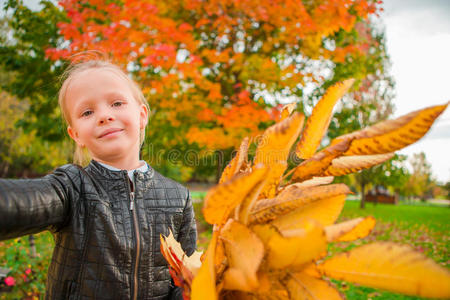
188, 230
187, 238
29, 206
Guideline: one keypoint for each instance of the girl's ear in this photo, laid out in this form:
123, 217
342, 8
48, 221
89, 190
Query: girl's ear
143, 114
74, 135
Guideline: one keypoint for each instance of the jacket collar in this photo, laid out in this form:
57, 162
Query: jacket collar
100, 170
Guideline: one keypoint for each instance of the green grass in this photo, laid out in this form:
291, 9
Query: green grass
434, 217
425, 228
198, 195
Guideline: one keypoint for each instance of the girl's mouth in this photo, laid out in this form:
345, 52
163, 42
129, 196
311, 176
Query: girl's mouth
110, 132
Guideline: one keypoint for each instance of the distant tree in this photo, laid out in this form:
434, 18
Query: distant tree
25, 154
391, 175
24, 39
447, 189
420, 183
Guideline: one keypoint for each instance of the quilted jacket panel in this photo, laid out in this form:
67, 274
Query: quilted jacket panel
88, 212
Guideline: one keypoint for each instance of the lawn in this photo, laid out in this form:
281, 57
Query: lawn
425, 228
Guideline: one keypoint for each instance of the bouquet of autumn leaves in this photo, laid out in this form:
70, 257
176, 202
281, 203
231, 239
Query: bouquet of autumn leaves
272, 225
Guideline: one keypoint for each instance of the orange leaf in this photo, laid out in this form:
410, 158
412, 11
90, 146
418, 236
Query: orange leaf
204, 284
292, 198
273, 179
304, 287
350, 230
319, 162
246, 207
315, 181
392, 135
245, 252
174, 254
236, 163
278, 139
392, 267
223, 198
325, 211
287, 110
292, 248
350, 164
318, 122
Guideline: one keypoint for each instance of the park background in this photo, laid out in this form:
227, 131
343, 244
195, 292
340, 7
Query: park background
217, 71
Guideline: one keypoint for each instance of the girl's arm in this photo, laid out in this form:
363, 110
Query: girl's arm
32, 205
188, 231
187, 238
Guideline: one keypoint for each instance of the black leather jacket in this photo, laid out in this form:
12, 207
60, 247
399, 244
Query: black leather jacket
107, 238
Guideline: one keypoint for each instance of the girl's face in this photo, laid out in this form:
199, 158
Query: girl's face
104, 117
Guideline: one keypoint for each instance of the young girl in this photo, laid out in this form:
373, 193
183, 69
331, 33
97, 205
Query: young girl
106, 218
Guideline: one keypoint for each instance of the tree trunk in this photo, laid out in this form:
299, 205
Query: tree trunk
219, 164
32, 246
363, 194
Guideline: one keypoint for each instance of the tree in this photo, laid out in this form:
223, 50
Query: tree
213, 71
391, 174
447, 189
208, 65
24, 154
420, 182
24, 39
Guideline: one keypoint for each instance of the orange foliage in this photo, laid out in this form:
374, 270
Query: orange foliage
202, 63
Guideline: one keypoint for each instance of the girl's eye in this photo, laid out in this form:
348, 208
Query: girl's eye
118, 103
86, 113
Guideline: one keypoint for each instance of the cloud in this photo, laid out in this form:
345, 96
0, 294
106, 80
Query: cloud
421, 16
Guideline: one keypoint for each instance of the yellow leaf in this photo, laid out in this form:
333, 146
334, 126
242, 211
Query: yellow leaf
271, 288
237, 295
245, 252
174, 254
204, 284
318, 122
223, 198
391, 135
273, 179
278, 139
292, 248
319, 162
351, 164
287, 110
304, 287
325, 211
236, 163
315, 181
392, 267
245, 208
350, 230
311, 270
220, 259
291, 198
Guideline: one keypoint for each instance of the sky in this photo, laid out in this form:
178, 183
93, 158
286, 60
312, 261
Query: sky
418, 42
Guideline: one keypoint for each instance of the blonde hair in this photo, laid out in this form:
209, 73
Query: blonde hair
81, 155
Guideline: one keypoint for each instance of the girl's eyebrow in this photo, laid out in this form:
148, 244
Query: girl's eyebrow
116, 95
81, 105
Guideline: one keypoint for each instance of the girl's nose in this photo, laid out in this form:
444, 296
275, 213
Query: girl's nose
105, 118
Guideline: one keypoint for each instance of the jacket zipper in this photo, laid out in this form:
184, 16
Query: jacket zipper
134, 289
